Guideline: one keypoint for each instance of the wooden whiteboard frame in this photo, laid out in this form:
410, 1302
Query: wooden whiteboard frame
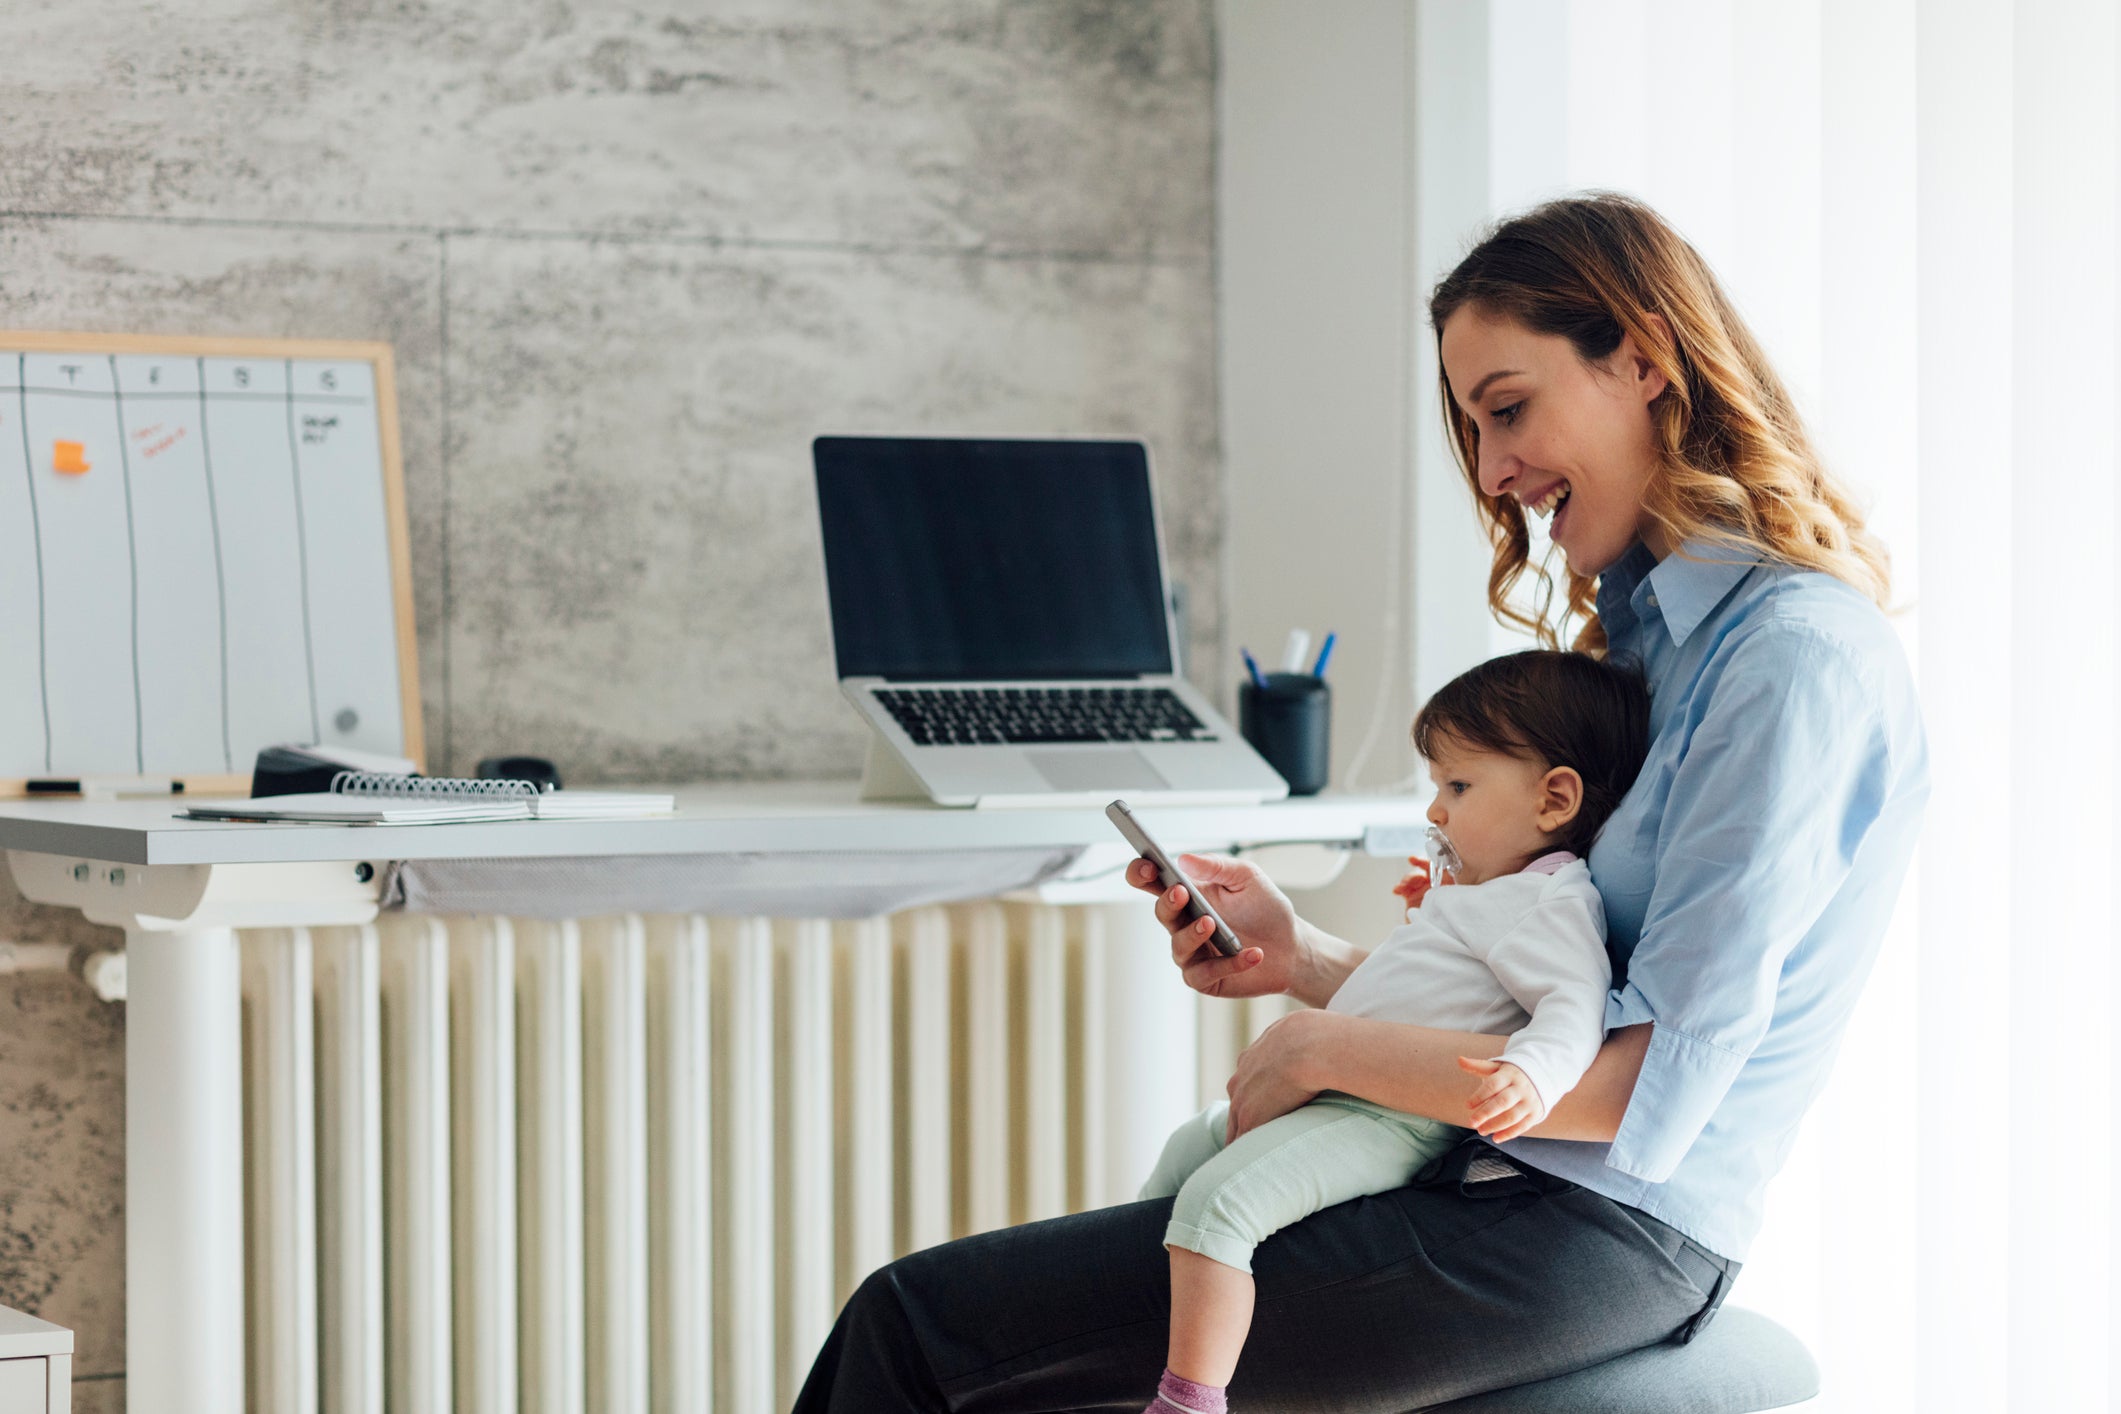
373, 352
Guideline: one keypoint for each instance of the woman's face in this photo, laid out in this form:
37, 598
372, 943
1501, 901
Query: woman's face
1556, 432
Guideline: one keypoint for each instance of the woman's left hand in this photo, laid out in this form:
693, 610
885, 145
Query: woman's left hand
1269, 1080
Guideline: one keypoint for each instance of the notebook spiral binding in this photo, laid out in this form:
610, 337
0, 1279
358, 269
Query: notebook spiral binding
443, 787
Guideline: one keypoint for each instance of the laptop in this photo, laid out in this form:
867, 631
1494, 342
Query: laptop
1001, 620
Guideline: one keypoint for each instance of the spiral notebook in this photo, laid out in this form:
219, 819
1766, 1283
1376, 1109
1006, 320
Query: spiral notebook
375, 798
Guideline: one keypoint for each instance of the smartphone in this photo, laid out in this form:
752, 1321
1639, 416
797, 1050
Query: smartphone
1197, 907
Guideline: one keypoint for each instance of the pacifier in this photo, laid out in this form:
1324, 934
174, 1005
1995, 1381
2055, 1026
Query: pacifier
1444, 864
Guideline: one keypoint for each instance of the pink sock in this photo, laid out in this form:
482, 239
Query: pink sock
1181, 1396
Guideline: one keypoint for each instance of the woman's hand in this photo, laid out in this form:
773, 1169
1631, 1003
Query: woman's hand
1274, 949
1268, 1081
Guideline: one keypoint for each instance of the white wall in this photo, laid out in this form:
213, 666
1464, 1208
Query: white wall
1341, 197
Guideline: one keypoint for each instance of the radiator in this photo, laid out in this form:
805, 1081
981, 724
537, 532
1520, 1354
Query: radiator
637, 1163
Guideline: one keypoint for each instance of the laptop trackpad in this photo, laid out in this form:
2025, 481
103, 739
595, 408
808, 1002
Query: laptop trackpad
1097, 770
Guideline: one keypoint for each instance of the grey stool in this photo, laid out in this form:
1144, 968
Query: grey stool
1740, 1362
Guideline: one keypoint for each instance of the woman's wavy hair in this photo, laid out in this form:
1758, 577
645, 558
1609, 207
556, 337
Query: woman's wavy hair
1738, 467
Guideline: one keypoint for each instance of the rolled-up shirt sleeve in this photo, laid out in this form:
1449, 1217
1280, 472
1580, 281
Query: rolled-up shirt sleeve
1786, 770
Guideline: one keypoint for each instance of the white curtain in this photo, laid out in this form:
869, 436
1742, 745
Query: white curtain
1915, 207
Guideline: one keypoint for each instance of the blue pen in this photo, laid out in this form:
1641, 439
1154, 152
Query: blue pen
1325, 651
1259, 679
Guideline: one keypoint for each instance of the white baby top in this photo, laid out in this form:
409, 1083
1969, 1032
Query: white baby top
1523, 954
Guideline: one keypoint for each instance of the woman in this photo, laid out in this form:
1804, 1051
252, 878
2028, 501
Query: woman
1594, 372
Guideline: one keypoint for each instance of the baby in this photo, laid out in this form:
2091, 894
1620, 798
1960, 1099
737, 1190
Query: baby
1530, 753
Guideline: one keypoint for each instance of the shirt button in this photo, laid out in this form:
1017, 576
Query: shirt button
1653, 601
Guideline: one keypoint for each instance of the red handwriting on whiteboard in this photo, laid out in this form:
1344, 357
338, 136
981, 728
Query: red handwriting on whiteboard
157, 448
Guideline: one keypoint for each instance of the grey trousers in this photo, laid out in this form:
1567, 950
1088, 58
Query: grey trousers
1382, 1305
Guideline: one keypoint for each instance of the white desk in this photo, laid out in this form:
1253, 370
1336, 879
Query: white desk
36, 1365
180, 888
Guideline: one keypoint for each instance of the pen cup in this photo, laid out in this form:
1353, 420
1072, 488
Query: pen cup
1289, 722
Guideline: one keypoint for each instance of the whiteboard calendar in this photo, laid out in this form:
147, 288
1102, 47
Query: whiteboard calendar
202, 552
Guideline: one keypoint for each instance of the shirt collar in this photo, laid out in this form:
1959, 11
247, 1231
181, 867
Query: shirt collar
1552, 862
1682, 588
1616, 590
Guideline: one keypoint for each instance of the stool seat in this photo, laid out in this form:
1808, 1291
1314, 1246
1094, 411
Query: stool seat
1741, 1361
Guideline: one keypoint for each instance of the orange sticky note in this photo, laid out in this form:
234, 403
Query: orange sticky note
69, 457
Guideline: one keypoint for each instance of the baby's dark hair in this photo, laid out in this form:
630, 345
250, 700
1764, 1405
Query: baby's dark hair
1558, 709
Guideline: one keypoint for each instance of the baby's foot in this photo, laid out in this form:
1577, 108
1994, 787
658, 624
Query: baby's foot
1175, 1395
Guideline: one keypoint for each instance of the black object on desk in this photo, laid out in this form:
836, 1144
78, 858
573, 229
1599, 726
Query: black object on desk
294, 770
1289, 722
535, 769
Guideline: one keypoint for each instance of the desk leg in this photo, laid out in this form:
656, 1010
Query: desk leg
1151, 1035
183, 1173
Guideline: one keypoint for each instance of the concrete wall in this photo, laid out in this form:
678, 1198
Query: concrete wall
631, 261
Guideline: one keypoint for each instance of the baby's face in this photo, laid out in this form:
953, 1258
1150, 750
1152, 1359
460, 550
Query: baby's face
1492, 806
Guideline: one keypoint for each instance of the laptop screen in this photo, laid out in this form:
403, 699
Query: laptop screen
966, 559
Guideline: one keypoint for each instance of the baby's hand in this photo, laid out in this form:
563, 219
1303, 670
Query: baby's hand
1416, 884
1506, 1105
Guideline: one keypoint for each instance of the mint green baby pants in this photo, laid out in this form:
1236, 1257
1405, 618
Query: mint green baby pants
1337, 1147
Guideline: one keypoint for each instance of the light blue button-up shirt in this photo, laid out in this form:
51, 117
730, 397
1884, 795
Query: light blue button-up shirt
1748, 875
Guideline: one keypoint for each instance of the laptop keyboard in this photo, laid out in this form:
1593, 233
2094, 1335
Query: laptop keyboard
1009, 716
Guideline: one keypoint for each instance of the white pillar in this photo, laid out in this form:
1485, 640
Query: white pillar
1151, 1035
183, 1172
